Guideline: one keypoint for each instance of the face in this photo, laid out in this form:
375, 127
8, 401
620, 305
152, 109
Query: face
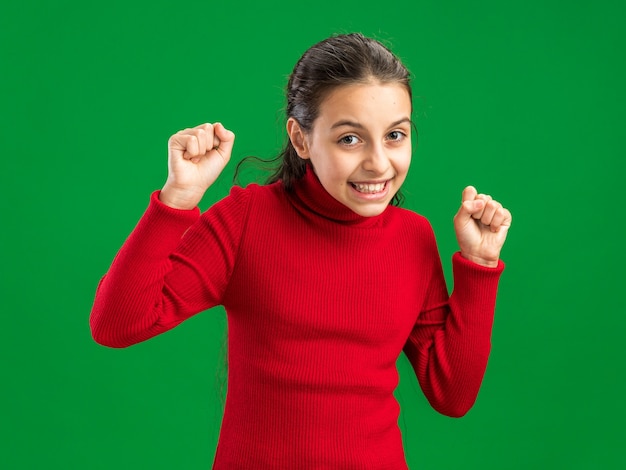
360, 144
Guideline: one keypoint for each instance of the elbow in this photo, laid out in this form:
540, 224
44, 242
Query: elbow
454, 394
453, 410
106, 336
106, 331
457, 412
105, 339
453, 402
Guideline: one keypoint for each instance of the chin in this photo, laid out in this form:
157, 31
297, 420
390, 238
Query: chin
370, 211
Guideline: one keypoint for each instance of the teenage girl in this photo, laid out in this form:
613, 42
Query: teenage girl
325, 280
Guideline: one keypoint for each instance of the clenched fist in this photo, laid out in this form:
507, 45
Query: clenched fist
196, 157
481, 225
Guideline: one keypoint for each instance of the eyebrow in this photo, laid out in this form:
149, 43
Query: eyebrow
346, 122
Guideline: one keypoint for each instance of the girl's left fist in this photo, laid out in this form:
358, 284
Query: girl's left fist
481, 226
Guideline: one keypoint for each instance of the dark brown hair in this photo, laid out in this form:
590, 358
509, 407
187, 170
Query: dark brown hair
339, 60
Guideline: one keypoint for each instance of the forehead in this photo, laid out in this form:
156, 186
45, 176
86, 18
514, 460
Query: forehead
366, 103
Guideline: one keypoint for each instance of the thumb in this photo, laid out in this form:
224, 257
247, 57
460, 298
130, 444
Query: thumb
469, 194
470, 205
469, 208
226, 139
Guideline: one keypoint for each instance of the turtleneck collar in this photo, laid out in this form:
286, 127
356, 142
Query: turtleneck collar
309, 196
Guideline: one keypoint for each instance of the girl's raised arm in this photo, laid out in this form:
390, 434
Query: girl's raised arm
156, 280
451, 340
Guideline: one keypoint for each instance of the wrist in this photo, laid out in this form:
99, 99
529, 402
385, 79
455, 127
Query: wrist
179, 199
486, 262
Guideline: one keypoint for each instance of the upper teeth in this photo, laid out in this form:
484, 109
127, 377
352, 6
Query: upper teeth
369, 188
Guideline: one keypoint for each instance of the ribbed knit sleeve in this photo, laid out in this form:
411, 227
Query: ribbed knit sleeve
451, 341
175, 263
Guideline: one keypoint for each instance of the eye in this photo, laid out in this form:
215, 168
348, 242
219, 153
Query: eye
396, 136
349, 140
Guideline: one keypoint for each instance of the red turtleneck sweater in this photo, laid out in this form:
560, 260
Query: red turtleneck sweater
320, 304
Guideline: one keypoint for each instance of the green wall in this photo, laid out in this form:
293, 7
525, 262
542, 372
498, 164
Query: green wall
524, 99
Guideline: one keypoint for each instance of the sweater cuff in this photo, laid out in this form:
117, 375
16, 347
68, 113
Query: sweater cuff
160, 229
170, 212
464, 263
476, 285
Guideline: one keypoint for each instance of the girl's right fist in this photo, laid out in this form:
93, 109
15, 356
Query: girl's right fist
196, 157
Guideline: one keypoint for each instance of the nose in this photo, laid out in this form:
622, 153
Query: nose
376, 160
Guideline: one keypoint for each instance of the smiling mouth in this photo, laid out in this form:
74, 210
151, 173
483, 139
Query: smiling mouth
370, 188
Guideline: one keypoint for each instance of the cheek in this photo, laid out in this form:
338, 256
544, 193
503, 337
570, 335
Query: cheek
331, 162
402, 160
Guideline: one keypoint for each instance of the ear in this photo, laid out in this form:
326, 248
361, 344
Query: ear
298, 138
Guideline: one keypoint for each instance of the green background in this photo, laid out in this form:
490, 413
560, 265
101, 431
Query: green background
524, 99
